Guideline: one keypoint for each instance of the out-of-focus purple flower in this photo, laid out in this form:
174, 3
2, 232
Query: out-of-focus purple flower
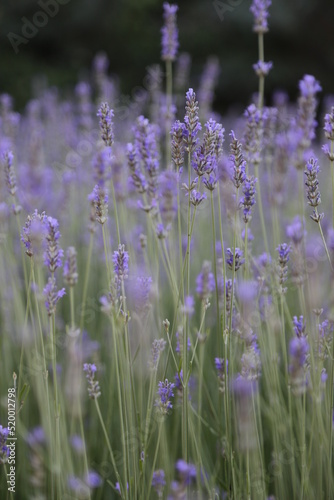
205, 282
159, 482
168, 196
299, 349
121, 263
191, 120
94, 390
77, 443
4, 450
179, 343
312, 184
169, 40
102, 167
248, 200
146, 148
238, 258
137, 175
325, 338
36, 437
325, 149
259, 9
105, 115
165, 393
262, 68
52, 295
299, 326
188, 306
70, 267
237, 160
329, 125
118, 488
93, 479
296, 230
34, 232
243, 390
251, 362
253, 136
157, 348
53, 254
187, 472
10, 177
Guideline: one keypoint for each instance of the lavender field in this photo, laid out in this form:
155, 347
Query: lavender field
166, 287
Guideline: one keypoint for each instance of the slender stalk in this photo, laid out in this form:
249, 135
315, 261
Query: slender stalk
85, 287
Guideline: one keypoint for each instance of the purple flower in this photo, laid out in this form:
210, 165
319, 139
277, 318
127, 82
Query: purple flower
70, 267
137, 176
99, 200
312, 184
4, 450
220, 367
159, 482
52, 296
169, 31
93, 479
177, 133
34, 232
191, 120
282, 267
262, 68
259, 9
94, 390
188, 306
299, 349
205, 282
237, 160
210, 182
329, 125
53, 254
196, 197
102, 167
299, 326
10, 177
296, 230
36, 437
165, 393
248, 200
146, 148
157, 348
106, 124
121, 263
187, 472
77, 443
238, 258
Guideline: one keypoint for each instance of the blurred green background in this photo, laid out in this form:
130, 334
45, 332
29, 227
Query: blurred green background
300, 40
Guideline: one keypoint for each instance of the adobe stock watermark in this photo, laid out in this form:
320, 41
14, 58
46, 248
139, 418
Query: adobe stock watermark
225, 7
30, 28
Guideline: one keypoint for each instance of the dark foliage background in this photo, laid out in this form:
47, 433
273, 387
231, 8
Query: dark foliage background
301, 40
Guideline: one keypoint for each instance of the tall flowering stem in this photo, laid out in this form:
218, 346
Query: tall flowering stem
259, 9
313, 196
329, 152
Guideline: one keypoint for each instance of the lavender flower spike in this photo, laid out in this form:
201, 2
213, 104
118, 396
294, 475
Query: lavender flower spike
177, 133
94, 390
169, 32
106, 125
299, 349
282, 268
248, 200
259, 9
312, 183
121, 263
70, 267
238, 259
159, 482
237, 160
4, 450
191, 120
10, 176
99, 200
53, 254
52, 296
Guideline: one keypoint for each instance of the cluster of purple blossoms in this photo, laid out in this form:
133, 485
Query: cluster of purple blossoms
177, 144
53, 253
82, 487
34, 233
259, 9
253, 137
102, 167
165, 393
52, 296
196, 197
312, 184
248, 200
169, 41
251, 361
325, 338
187, 475
146, 154
220, 367
205, 282
159, 482
236, 258
70, 267
299, 326
237, 160
121, 263
106, 124
99, 201
282, 268
296, 231
4, 450
329, 134
137, 176
94, 390
191, 121
262, 68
